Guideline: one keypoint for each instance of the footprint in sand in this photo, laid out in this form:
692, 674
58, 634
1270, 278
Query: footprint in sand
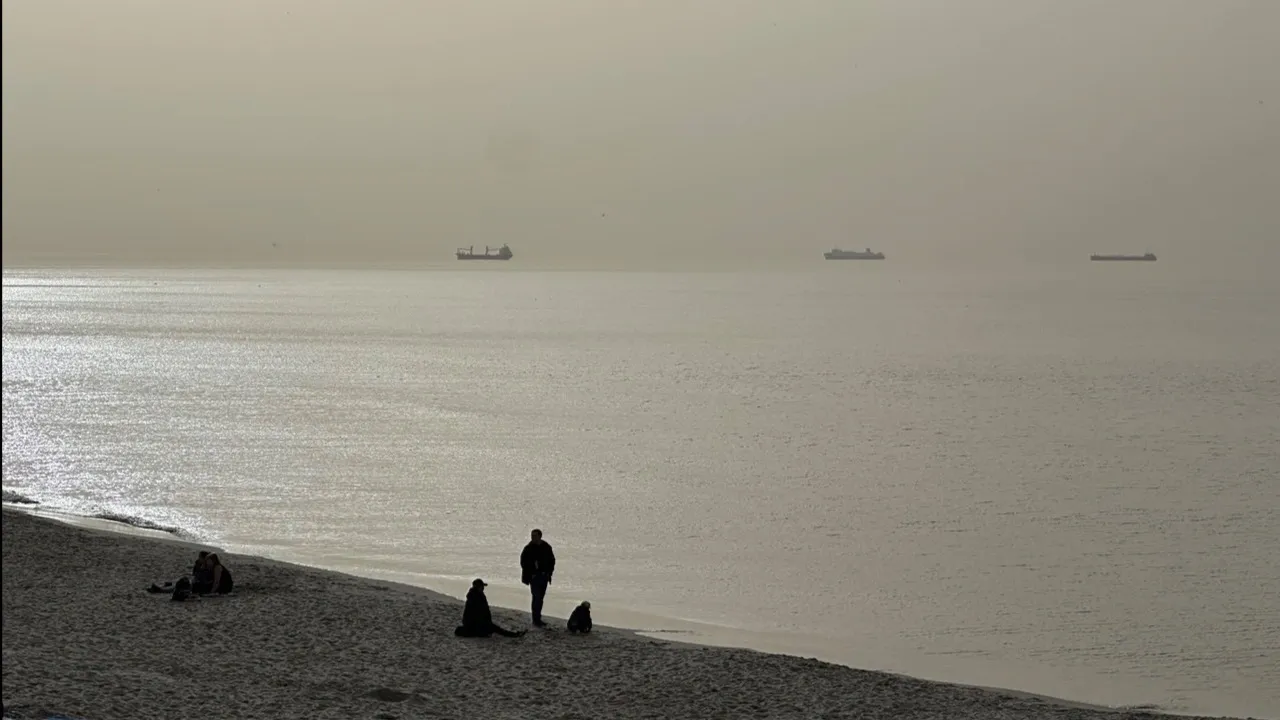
388, 695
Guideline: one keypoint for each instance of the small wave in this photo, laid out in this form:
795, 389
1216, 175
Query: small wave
18, 498
141, 523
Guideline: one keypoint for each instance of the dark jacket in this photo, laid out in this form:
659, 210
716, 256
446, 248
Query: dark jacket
580, 620
225, 583
201, 579
476, 614
536, 559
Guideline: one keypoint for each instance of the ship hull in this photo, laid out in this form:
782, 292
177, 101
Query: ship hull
1122, 258
829, 256
482, 257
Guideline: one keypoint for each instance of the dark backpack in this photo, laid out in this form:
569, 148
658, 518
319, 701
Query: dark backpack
181, 590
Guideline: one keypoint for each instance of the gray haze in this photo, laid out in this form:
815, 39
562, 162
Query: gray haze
638, 133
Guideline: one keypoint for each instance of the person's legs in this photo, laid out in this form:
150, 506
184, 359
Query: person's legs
538, 586
470, 632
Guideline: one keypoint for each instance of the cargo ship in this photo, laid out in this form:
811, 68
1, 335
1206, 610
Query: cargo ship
469, 253
1146, 257
838, 254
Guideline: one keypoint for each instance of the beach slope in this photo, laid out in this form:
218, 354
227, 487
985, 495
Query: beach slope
81, 637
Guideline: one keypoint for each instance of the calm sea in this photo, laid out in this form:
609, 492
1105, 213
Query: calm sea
1059, 480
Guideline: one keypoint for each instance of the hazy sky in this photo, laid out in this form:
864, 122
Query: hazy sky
638, 132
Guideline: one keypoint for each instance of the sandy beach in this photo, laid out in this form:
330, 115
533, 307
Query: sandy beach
82, 638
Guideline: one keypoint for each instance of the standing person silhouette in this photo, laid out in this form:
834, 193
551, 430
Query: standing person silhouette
537, 565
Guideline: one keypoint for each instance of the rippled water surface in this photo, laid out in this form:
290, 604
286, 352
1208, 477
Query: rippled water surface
1067, 478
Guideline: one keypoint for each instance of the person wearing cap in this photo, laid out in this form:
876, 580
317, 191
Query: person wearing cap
477, 620
580, 619
537, 565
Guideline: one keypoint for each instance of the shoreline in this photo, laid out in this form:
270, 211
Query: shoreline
128, 540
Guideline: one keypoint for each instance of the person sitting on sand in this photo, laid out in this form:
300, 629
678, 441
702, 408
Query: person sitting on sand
580, 619
202, 575
211, 577
184, 587
477, 620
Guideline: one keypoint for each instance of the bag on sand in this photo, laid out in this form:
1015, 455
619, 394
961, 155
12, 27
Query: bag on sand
181, 590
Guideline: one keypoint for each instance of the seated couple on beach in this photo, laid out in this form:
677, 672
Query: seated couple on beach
208, 576
477, 619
